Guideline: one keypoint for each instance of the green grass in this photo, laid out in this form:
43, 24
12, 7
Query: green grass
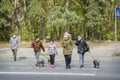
1, 52
44, 54
117, 54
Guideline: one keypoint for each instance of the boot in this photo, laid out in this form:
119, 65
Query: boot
81, 66
14, 58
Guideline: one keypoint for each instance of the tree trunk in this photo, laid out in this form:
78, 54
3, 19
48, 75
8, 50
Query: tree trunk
66, 6
52, 33
43, 29
67, 11
17, 17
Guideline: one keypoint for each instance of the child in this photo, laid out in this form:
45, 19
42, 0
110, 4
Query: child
52, 52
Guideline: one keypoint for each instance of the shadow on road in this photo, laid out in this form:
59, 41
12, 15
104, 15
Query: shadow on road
22, 58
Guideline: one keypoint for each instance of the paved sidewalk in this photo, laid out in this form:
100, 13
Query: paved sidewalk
100, 52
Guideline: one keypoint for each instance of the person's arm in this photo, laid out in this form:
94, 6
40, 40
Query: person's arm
49, 49
71, 43
76, 42
62, 43
86, 45
17, 43
10, 43
32, 45
41, 45
56, 49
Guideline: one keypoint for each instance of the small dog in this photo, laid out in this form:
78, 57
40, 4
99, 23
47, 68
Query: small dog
96, 63
42, 63
48, 61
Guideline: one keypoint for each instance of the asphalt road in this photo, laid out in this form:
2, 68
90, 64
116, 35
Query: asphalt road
26, 70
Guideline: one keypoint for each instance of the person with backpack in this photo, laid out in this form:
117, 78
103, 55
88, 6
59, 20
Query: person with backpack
82, 48
52, 50
37, 46
14, 42
67, 45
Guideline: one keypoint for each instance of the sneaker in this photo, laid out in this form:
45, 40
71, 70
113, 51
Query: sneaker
68, 67
81, 66
52, 65
14, 58
37, 64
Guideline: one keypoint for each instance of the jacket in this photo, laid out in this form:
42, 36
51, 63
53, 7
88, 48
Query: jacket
82, 46
67, 45
52, 49
14, 42
37, 46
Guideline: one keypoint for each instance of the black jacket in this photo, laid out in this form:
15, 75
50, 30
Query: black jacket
82, 46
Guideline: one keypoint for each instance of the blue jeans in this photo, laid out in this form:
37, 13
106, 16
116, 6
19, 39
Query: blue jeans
81, 59
37, 54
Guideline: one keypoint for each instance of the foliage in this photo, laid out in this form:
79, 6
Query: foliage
49, 19
6, 8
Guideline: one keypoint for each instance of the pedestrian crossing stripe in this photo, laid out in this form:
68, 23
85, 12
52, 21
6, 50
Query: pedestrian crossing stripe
84, 69
48, 73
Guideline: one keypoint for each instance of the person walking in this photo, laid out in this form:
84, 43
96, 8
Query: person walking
67, 45
82, 48
37, 46
14, 42
52, 50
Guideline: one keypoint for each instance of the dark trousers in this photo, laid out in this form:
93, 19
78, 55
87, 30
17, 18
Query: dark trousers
14, 53
52, 59
67, 60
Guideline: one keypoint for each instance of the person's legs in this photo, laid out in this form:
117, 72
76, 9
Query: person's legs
52, 60
14, 53
81, 60
37, 54
69, 61
65, 56
66, 61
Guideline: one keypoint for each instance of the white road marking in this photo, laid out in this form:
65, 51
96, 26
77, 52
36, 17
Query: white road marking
85, 69
20, 67
12, 67
21, 64
49, 73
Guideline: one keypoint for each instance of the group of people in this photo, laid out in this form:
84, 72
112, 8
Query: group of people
67, 45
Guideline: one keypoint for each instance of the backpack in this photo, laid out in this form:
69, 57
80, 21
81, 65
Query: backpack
86, 47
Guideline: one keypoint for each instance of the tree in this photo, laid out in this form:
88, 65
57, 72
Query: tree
58, 17
29, 18
19, 15
95, 17
6, 9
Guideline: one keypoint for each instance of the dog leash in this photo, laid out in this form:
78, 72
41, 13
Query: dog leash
45, 55
91, 55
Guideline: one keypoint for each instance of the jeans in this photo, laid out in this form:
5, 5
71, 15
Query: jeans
52, 59
37, 54
81, 59
67, 60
